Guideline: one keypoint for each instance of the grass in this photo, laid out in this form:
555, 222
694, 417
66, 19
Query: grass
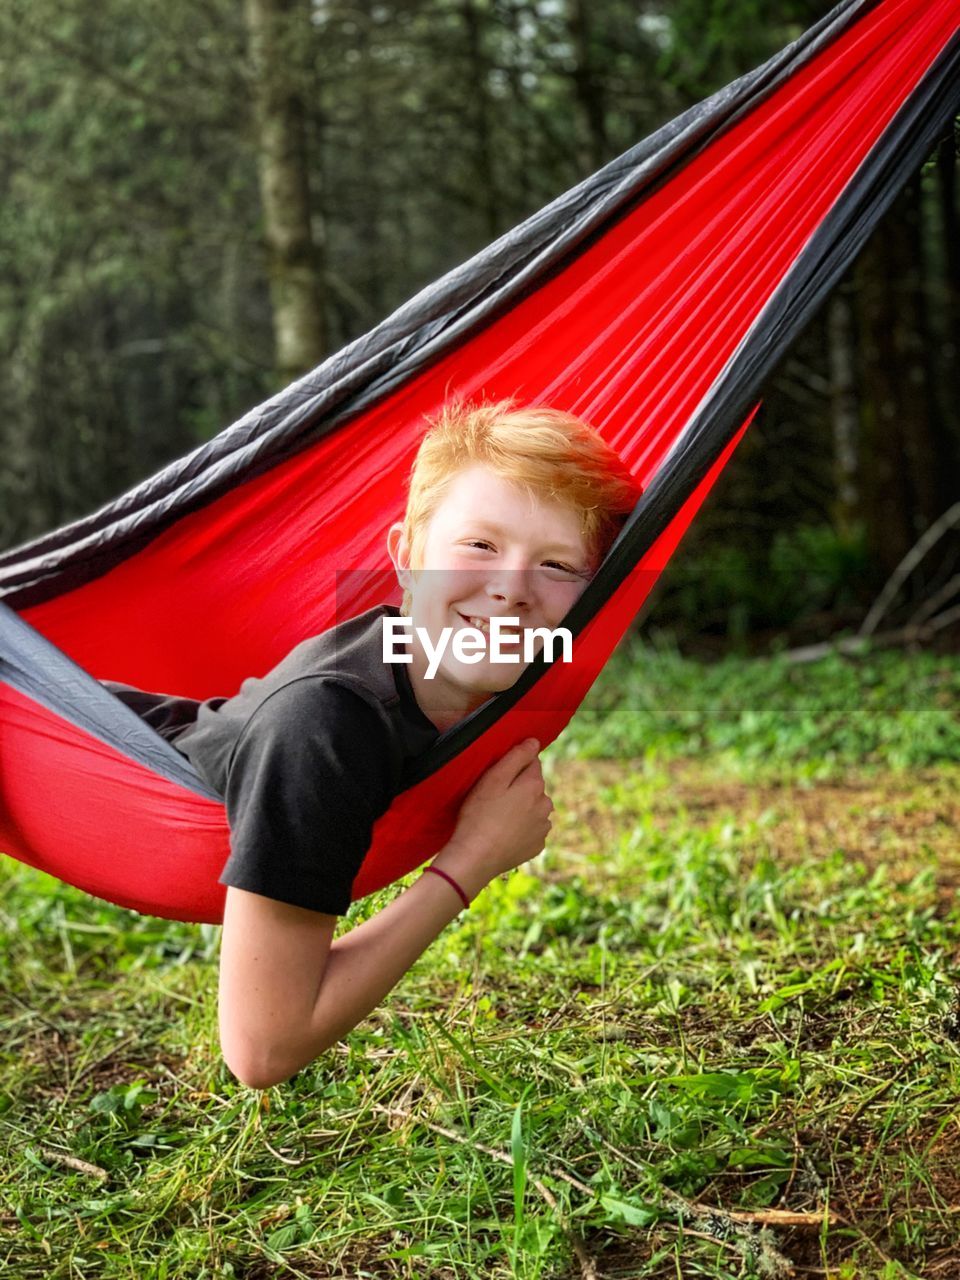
726, 992
770, 718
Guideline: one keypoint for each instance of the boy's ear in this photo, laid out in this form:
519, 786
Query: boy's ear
398, 550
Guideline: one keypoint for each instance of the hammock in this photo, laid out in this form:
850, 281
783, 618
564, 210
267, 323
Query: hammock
651, 299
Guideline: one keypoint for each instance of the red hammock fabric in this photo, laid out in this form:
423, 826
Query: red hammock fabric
632, 336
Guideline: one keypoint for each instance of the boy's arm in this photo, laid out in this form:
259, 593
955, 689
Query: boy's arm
272, 958
287, 992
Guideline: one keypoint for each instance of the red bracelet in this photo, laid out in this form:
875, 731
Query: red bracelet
450, 880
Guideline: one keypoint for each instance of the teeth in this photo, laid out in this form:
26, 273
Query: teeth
482, 624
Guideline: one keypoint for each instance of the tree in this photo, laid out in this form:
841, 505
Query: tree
277, 30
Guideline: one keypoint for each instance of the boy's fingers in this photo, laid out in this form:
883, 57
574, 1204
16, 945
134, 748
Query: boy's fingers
532, 768
521, 753
518, 758
524, 756
530, 773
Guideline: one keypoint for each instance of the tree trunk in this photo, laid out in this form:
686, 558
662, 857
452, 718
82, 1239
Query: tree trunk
276, 29
482, 125
588, 88
843, 398
905, 476
949, 238
372, 278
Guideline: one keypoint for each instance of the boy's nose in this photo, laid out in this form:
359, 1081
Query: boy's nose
509, 589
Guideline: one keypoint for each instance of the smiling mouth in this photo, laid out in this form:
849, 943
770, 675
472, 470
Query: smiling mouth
483, 624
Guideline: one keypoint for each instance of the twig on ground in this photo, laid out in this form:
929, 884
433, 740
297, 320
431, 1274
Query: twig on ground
773, 1217
933, 603
906, 566
759, 1217
72, 1162
274, 1152
945, 619
853, 645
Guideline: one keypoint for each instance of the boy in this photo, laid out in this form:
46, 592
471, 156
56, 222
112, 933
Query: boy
509, 513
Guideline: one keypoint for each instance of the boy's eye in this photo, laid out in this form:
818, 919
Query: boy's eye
555, 566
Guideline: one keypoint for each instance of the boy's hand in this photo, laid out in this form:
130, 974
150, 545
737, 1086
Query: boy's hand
505, 819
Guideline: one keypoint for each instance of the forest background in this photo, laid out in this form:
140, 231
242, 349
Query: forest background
152, 289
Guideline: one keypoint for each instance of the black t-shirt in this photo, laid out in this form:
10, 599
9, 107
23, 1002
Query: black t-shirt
306, 758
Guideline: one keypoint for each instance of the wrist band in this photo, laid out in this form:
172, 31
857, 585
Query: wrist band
450, 880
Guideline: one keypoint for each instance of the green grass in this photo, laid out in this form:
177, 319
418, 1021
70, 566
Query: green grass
717, 994
750, 718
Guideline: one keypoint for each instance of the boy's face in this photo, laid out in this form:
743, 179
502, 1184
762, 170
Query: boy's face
490, 550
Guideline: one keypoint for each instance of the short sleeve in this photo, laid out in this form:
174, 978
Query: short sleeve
311, 772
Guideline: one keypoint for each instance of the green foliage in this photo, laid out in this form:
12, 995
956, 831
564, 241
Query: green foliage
735, 588
829, 565
120, 234
769, 716
711, 40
